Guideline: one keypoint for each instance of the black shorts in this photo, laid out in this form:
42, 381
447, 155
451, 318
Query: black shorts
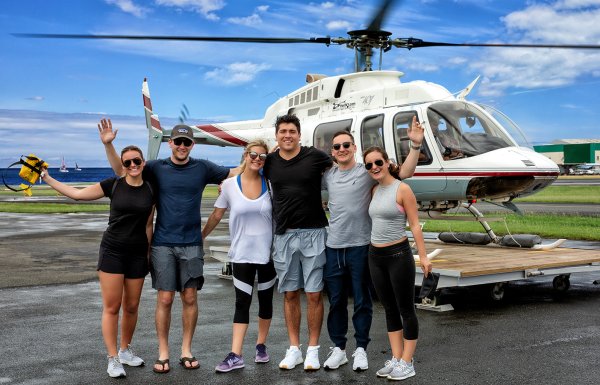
132, 263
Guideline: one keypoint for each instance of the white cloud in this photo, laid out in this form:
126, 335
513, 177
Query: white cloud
566, 22
327, 5
129, 7
204, 7
338, 25
36, 98
236, 73
248, 21
262, 8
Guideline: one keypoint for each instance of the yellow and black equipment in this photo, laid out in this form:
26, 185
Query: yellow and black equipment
31, 170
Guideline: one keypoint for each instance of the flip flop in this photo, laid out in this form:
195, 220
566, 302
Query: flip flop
189, 360
162, 363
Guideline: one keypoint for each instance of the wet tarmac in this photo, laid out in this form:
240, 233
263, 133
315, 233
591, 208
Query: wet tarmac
50, 311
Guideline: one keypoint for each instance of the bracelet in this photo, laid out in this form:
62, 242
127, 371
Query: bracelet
412, 146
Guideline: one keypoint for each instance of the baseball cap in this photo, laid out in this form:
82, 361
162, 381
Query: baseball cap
182, 131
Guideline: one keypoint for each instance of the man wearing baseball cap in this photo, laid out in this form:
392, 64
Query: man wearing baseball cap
176, 252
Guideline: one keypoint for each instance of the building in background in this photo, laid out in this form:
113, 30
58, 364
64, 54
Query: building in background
572, 154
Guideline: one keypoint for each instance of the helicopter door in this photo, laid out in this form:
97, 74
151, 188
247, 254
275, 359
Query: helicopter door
371, 132
426, 178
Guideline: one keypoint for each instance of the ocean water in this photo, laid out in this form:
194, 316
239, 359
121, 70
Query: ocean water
94, 174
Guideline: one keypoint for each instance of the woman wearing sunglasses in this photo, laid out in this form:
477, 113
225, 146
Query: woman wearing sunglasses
251, 229
123, 259
391, 261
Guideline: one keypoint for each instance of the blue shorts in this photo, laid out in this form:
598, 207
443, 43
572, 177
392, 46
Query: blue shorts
299, 257
177, 268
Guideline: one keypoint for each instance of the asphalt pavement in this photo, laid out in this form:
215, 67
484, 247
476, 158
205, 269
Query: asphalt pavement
50, 309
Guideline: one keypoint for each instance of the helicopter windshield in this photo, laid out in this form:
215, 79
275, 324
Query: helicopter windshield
461, 129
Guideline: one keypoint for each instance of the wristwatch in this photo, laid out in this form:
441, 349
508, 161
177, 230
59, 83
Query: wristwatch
412, 146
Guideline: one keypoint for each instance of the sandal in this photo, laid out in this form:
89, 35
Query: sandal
189, 360
162, 363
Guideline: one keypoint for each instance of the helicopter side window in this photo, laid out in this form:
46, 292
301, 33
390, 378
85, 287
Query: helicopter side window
402, 122
371, 131
323, 135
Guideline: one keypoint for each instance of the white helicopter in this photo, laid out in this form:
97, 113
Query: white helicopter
470, 152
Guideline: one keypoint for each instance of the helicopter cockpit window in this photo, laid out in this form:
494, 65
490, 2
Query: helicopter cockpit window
371, 132
324, 133
402, 122
462, 129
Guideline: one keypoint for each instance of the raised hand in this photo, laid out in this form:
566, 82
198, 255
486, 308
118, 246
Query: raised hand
416, 132
107, 134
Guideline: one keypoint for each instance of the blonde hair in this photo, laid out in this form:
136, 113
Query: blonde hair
254, 143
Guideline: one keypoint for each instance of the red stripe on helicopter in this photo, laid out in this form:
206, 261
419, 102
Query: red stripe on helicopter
486, 174
147, 102
222, 135
155, 123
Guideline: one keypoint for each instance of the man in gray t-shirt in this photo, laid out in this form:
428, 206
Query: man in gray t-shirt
349, 188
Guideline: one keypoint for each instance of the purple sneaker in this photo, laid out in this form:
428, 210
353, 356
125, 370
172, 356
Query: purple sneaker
231, 362
261, 354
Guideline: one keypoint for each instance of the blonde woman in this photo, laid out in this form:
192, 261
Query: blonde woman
250, 226
123, 259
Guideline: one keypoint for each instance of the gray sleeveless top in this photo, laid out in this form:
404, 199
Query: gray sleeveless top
388, 218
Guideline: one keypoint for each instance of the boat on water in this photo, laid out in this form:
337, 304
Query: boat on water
63, 166
77, 168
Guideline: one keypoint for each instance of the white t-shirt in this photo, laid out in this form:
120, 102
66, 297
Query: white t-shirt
250, 223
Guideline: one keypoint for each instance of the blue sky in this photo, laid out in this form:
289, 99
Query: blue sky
52, 92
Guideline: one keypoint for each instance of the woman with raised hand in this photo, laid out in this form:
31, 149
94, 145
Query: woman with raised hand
123, 259
391, 261
251, 229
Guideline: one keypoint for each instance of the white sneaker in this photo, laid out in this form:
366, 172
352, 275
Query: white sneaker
293, 357
128, 357
387, 368
337, 357
402, 371
360, 360
312, 358
115, 369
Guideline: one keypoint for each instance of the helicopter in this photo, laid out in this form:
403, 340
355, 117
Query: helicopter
470, 151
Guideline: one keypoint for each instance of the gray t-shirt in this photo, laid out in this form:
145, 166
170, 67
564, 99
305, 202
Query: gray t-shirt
349, 197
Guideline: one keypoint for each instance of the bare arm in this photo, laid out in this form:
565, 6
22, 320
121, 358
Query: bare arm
213, 221
89, 193
107, 135
234, 171
415, 134
150, 226
406, 198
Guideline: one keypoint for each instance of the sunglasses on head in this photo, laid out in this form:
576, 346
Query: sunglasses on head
253, 155
185, 141
378, 163
136, 161
337, 146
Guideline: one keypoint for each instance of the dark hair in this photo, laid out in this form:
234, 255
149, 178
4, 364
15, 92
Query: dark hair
343, 132
393, 168
289, 118
132, 148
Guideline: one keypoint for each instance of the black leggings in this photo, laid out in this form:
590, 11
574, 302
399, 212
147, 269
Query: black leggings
393, 275
243, 280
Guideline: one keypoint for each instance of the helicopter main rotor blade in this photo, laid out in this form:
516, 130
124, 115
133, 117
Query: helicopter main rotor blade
271, 40
382, 11
411, 43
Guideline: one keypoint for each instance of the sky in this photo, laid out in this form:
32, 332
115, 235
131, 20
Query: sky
53, 92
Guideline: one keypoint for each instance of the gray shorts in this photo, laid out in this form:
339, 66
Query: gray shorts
177, 268
299, 257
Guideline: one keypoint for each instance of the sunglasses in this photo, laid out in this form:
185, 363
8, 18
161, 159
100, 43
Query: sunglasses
179, 141
136, 161
378, 163
337, 146
253, 155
